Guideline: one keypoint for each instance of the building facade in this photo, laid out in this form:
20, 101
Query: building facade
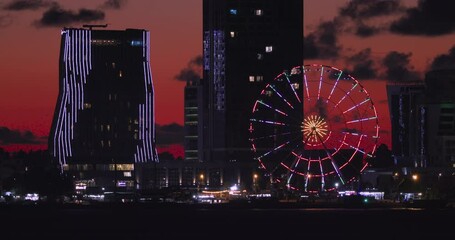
408, 122
245, 43
103, 128
192, 121
440, 107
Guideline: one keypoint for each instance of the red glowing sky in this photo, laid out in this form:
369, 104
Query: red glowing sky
29, 54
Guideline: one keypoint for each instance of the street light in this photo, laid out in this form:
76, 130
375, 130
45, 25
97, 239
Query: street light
415, 177
255, 182
200, 182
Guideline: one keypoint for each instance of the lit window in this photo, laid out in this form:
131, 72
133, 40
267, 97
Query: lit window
113, 65
268, 93
251, 78
259, 78
87, 105
108, 127
233, 11
127, 174
260, 56
295, 86
120, 74
136, 43
109, 143
258, 12
232, 34
269, 49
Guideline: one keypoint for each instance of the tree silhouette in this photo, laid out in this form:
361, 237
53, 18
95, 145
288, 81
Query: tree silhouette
383, 157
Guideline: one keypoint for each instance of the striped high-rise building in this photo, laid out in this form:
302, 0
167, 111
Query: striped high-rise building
103, 129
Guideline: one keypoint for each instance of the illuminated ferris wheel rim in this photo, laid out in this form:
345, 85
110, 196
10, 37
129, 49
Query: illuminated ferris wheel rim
318, 132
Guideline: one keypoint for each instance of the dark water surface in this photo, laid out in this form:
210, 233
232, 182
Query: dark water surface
163, 221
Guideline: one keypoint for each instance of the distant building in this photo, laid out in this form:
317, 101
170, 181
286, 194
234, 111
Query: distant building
407, 114
423, 121
103, 129
440, 107
193, 121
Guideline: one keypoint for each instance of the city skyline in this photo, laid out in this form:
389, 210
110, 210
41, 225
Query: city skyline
376, 42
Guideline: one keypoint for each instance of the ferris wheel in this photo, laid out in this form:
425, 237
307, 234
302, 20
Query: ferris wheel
313, 128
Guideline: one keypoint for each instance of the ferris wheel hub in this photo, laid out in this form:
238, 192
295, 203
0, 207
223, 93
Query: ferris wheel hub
314, 128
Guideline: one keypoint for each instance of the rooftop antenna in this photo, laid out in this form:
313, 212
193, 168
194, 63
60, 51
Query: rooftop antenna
90, 26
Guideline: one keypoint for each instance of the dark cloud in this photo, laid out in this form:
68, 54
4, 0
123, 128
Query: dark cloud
398, 68
363, 65
192, 72
359, 12
366, 31
5, 21
20, 5
113, 4
169, 134
350, 130
320, 108
58, 17
364, 9
444, 61
323, 42
8, 136
430, 17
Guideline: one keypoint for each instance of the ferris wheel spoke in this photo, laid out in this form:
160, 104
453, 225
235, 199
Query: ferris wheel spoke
358, 134
281, 96
362, 119
281, 112
357, 105
268, 122
276, 110
320, 82
292, 170
334, 86
322, 174
357, 149
292, 88
306, 84
270, 136
307, 176
281, 146
346, 95
275, 149
335, 166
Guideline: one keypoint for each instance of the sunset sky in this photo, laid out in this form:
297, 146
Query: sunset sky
376, 40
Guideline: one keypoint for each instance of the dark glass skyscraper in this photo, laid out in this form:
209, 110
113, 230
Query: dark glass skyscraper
407, 113
245, 44
440, 107
103, 127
